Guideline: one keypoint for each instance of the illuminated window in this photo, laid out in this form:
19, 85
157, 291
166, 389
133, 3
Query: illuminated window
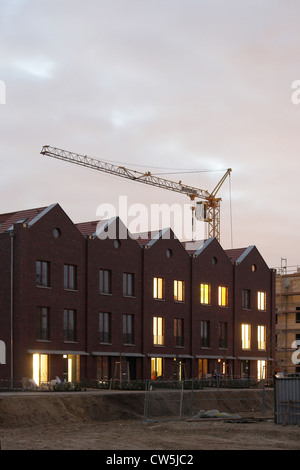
261, 300
158, 288
158, 331
246, 336
261, 337
179, 291
40, 368
71, 367
223, 296
261, 370
156, 367
205, 294
202, 368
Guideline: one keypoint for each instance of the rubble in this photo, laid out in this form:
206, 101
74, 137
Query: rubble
215, 414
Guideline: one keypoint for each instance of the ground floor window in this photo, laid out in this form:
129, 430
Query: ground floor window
40, 366
179, 370
103, 368
261, 370
202, 368
71, 368
156, 367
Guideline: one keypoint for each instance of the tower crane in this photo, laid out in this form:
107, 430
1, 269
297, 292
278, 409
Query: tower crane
207, 209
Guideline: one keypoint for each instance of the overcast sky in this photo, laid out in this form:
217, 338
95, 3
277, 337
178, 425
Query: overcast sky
168, 85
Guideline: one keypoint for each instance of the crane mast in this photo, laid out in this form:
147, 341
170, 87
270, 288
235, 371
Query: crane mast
211, 203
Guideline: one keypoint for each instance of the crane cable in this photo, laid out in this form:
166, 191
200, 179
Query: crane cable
230, 204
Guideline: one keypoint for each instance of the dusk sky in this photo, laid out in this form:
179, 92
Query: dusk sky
168, 86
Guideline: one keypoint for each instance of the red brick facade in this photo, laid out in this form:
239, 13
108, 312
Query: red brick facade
79, 304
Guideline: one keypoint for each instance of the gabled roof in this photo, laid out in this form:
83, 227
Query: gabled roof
143, 238
90, 228
27, 216
193, 246
113, 228
149, 238
236, 255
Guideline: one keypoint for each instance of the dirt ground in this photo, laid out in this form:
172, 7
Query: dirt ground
115, 421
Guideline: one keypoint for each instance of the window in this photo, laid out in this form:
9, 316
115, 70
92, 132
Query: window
261, 337
70, 325
223, 296
246, 336
222, 335
246, 299
158, 288
103, 368
158, 331
205, 334
205, 294
202, 368
261, 300
104, 281
42, 323
179, 291
128, 284
43, 273
40, 368
70, 276
104, 327
261, 370
156, 367
178, 331
297, 314
128, 337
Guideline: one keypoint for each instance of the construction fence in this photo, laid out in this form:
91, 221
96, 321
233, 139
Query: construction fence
287, 400
190, 399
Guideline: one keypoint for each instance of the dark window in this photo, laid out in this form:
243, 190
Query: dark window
43, 273
128, 337
128, 284
205, 334
246, 298
178, 332
297, 314
104, 327
222, 335
70, 325
42, 323
104, 281
70, 277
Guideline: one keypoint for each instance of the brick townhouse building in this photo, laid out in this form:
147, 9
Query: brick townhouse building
86, 300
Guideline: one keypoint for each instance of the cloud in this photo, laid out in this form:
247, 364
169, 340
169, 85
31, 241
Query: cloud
194, 84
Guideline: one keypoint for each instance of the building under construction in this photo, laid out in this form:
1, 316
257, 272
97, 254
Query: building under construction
76, 305
288, 318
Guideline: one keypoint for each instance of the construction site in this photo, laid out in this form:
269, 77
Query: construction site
240, 419
166, 344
